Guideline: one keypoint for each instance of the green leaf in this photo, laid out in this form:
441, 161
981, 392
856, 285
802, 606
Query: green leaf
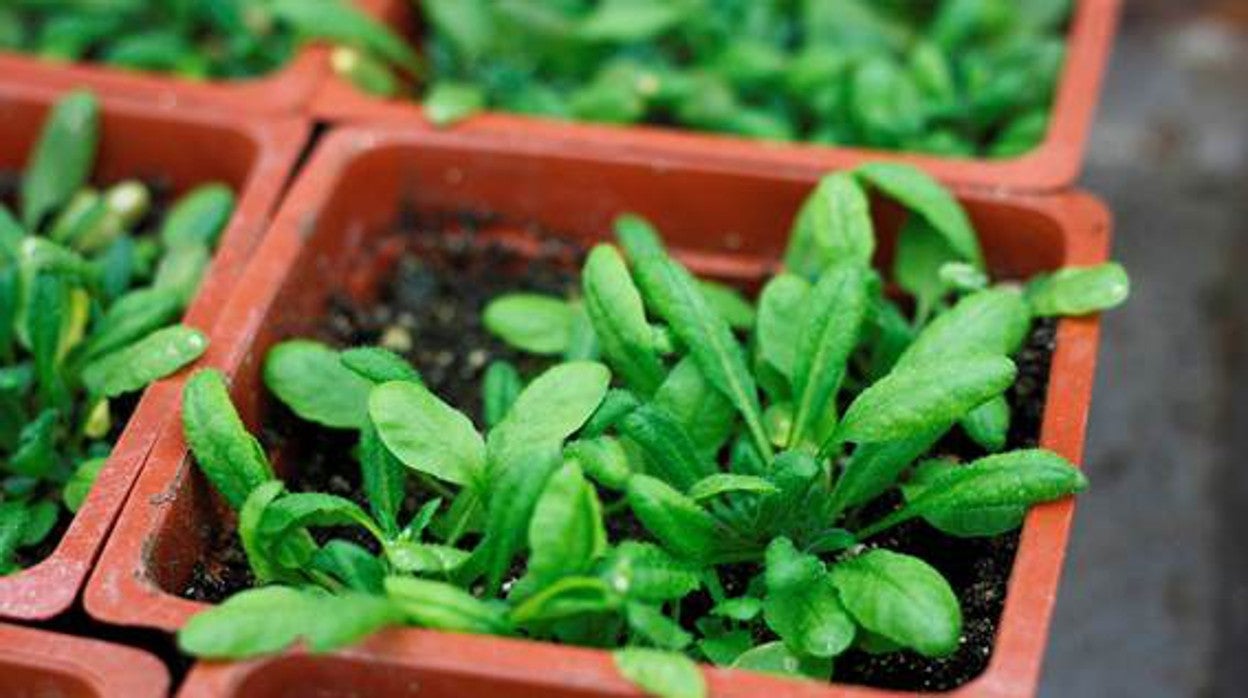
782, 300
657, 629
426, 434
989, 424
198, 217
499, 389
638, 238
530, 322
901, 598
468, 24
36, 447
659, 673
926, 197
550, 409
352, 565
232, 459
181, 270
603, 458
875, 467
729, 303
963, 498
678, 523
1079, 290
157, 355
566, 533
961, 522
921, 254
267, 620
647, 573
340, 22
442, 606
567, 598
720, 484
79, 486
670, 452
706, 415
833, 226
312, 381
448, 103
425, 558
777, 658
62, 158
378, 365
47, 308
743, 609
383, 479
994, 321
914, 400
836, 308
630, 20
675, 296
619, 319
131, 317
517, 480
801, 605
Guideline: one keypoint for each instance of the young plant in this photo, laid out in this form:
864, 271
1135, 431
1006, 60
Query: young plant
230, 39
951, 77
712, 453
91, 288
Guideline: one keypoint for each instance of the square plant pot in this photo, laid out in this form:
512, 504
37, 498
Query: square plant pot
1055, 164
38, 663
185, 148
286, 91
331, 236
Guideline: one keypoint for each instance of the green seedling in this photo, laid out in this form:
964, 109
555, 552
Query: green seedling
949, 77
221, 39
751, 441
90, 294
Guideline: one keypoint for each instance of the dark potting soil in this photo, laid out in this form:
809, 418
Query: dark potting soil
436, 295
122, 407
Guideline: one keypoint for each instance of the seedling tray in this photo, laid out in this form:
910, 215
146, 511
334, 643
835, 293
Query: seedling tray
184, 148
37, 664
724, 224
1053, 165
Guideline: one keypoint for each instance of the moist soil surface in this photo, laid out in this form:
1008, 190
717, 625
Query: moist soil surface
122, 407
436, 295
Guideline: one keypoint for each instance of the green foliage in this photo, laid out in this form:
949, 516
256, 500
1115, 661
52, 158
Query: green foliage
222, 39
90, 297
735, 461
950, 78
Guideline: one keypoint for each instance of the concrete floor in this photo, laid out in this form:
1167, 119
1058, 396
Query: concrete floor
1155, 597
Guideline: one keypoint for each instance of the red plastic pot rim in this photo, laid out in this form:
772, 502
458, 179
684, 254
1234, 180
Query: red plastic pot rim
287, 91
122, 590
49, 587
41, 663
1053, 165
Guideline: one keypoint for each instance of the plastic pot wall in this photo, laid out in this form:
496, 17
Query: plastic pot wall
1055, 164
184, 148
334, 226
41, 664
287, 91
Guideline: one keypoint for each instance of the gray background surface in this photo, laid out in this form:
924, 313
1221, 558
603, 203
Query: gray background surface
1154, 601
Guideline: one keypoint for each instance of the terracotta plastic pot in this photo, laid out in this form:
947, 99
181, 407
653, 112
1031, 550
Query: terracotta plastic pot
328, 236
41, 664
286, 91
185, 148
1055, 164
